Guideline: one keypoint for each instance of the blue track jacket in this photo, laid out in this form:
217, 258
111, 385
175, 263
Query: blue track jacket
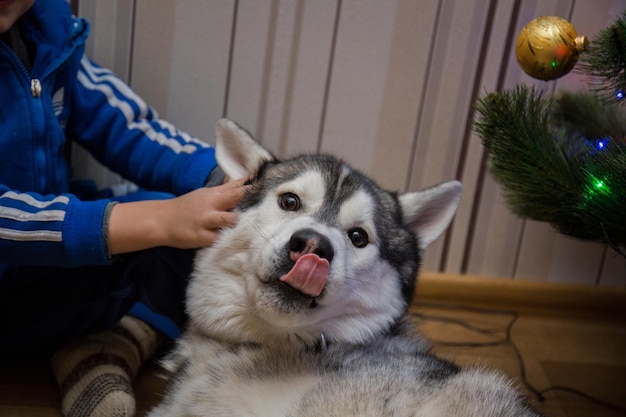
67, 95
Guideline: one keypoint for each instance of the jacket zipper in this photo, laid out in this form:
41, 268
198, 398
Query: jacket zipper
35, 91
38, 126
35, 87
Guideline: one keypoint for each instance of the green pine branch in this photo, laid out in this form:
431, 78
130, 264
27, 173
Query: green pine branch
604, 59
545, 151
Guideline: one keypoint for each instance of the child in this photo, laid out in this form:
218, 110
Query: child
83, 271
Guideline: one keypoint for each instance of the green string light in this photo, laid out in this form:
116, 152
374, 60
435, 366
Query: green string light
597, 187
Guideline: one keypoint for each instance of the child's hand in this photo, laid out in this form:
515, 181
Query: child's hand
190, 221
195, 219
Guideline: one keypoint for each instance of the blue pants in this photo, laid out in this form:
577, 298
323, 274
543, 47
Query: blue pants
43, 308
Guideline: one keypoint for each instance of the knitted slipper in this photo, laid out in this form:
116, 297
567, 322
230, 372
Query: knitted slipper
95, 372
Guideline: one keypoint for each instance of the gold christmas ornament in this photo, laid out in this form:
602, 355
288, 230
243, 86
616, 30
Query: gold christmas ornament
547, 47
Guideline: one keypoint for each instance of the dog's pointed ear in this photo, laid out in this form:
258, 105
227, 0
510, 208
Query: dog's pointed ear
237, 153
429, 212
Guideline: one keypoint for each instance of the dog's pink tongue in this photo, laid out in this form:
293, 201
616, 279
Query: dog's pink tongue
308, 275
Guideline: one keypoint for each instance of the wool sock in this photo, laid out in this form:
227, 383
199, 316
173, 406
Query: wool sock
95, 372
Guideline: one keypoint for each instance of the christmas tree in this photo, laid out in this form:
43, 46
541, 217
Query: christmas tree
561, 157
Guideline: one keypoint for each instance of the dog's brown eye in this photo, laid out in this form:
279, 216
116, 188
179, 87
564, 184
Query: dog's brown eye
359, 237
289, 202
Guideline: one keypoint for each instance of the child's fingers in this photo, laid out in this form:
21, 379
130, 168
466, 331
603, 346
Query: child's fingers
225, 219
232, 184
228, 199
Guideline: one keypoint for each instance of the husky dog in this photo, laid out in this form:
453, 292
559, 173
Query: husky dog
298, 309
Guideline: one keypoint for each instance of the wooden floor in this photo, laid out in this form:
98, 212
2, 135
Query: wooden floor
580, 345
582, 354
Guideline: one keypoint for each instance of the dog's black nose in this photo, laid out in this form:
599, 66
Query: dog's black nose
309, 241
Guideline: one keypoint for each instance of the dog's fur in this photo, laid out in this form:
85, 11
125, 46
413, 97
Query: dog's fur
271, 335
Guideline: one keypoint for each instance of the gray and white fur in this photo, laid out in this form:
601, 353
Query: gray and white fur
273, 335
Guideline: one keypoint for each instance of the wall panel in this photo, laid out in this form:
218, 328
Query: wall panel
402, 99
251, 63
153, 38
447, 100
307, 85
360, 62
112, 50
471, 170
199, 65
